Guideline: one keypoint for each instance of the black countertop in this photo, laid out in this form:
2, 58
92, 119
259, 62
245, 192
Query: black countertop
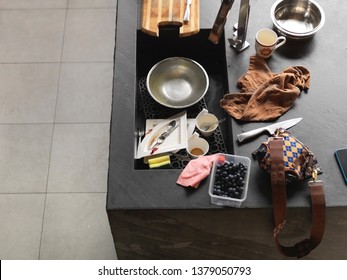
323, 128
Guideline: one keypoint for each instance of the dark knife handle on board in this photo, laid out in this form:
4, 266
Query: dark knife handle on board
219, 23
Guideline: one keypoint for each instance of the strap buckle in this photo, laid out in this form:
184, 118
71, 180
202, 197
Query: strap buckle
315, 178
314, 175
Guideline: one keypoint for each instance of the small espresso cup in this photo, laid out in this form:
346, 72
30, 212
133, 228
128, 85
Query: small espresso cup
197, 146
267, 41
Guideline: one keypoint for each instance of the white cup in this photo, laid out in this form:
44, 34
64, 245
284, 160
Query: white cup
205, 119
197, 146
267, 41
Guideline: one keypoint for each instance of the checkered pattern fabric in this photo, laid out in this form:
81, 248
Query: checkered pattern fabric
296, 157
292, 151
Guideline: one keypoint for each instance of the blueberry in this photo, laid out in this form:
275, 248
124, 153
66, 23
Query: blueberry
230, 179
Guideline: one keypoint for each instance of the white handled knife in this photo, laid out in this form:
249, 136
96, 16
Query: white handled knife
186, 16
270, 128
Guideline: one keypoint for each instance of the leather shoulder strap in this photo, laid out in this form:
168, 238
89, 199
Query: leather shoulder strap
279, 199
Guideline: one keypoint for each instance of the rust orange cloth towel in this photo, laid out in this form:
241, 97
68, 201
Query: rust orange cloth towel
264, 95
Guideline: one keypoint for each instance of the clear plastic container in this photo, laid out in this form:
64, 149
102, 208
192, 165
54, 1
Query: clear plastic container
223, 200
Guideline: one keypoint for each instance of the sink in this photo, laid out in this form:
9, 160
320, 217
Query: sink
149, 51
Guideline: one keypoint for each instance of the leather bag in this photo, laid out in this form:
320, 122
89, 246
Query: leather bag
287, 159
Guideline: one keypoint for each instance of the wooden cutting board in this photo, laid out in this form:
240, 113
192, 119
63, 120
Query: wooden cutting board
157, 13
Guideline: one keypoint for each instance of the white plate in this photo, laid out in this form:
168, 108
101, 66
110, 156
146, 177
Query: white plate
177, 140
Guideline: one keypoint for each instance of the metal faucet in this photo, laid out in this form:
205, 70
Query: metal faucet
238, 41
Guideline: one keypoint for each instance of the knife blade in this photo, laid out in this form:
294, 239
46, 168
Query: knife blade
269, 128
186, 16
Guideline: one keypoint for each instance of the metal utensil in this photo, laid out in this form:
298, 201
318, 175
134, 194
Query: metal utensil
207, 126
270, 128
186, 16
170, 128
139, 133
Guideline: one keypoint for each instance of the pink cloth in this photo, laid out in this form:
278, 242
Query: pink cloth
196, 171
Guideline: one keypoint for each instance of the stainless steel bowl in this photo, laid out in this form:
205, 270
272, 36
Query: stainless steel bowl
297, 19
177, 82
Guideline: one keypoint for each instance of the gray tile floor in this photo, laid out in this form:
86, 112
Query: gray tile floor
56, 69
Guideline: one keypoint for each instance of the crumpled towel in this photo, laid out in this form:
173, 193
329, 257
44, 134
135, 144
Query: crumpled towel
264, 95
195, 171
